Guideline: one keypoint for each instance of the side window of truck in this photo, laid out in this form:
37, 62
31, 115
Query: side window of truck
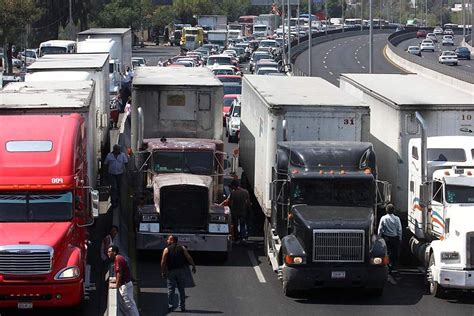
437, 192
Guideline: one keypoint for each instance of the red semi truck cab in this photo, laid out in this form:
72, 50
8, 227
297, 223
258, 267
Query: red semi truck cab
45, 206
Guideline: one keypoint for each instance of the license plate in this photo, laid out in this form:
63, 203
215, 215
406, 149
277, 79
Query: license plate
184, 239
25, 305
338, 274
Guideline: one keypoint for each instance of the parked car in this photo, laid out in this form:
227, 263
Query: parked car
463, 53
438, 30
414, 50
233, 122
31, 56
447, 40
427, 44
228, 99
448, 57
421, 34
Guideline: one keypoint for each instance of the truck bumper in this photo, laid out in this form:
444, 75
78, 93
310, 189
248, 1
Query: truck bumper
194, 242
457, 279
44, 295
305, 278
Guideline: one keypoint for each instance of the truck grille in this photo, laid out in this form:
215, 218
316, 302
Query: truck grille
25, 260
338, 245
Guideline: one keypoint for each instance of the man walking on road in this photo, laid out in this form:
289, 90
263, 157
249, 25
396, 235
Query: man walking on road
390, 228
239, 203
123, 280
173, 264
116, 162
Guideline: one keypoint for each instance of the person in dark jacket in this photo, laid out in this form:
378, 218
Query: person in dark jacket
173, 268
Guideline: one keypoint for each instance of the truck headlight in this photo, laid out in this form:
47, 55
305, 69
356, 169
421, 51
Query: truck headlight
379, 261
295, 259
450, 256
68, 273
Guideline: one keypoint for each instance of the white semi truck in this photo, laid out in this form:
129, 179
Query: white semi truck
265, 25
122, 36
111, 47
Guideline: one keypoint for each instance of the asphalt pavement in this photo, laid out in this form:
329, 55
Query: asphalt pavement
347, 55
466, 65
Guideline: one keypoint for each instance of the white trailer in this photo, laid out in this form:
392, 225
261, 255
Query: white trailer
185, 103
111, 47
218, 37
312, 109
214, 21
123, 36
79, 67
393, 101
56, 97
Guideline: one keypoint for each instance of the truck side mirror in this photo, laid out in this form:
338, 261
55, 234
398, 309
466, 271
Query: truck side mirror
95, 203
384, 192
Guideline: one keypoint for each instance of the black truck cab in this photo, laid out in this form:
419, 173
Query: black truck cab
323, 220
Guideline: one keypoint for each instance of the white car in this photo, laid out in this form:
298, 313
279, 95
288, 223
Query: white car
447, 40
427, 44
438, 30
448, 57
233, 122
448, 32
267, 70
30, 58
414, 50
432, 36
225, 70
140, 61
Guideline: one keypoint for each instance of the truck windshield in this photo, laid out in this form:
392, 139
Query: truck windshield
456, 194
331, 192
47, 50
187, 162
260, 28
36, 206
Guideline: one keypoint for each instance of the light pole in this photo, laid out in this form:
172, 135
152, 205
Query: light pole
310, 41
371, 39
342, 14
298, 21
283, 24
463, 14
326, 17
289, 33
426, 13
361, 15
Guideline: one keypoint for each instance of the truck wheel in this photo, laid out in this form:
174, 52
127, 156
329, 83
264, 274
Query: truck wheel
288, 291
435, 288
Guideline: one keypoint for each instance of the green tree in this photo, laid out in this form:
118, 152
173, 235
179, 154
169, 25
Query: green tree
13, 21
120, 13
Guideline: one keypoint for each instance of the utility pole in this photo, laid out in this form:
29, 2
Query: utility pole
380, 15
283, 23
361, 15
371, 39
289, 33
426, 12
342, 14
326, 16
463, 12
298, 21
310, 41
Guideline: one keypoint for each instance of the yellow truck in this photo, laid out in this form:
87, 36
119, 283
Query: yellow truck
192, 37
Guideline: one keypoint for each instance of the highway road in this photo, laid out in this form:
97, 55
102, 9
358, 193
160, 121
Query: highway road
347, 55
245, 283
466, 65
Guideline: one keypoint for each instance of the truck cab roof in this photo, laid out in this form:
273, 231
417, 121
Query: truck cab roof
95, 31
36, 158
182, 144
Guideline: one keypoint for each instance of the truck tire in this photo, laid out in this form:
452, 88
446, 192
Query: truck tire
435, 288
289, 292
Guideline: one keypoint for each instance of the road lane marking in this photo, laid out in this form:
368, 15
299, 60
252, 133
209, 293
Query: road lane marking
331, 73
363, 67
324, 61
258, 272
468, 66
358, 62
326, 67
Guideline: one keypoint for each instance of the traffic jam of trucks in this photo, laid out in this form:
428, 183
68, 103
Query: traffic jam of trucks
318, 161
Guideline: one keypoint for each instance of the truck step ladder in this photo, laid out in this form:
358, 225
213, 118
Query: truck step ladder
274, 251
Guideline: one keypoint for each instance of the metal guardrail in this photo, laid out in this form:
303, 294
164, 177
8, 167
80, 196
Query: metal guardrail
319, 38
396, 38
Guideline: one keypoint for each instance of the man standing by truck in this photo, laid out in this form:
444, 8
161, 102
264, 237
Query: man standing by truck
390, 229
116, 162
239, 203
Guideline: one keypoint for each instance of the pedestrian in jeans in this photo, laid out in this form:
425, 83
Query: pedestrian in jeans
390, 229
116, 162
239, 203
173, 269
123, 280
